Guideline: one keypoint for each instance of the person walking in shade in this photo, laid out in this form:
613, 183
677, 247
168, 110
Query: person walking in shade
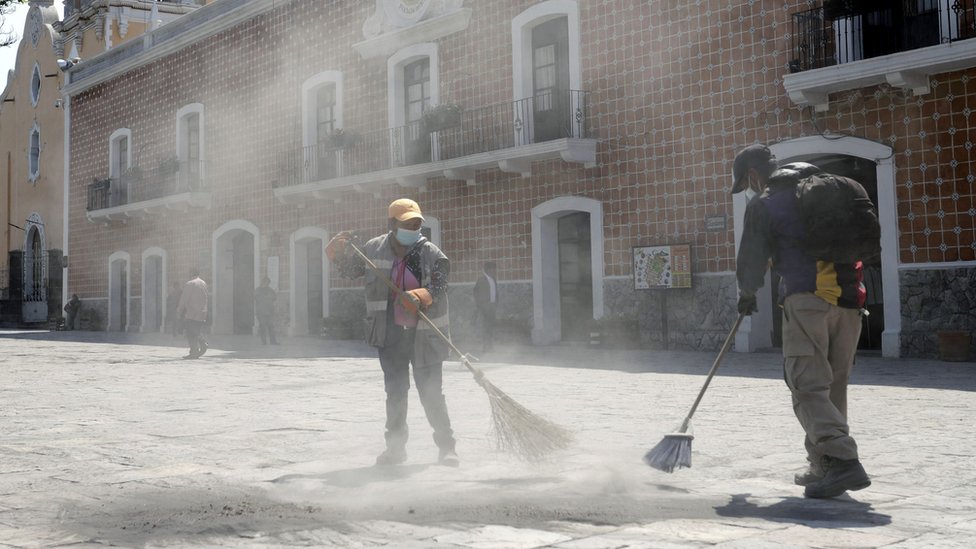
821, 325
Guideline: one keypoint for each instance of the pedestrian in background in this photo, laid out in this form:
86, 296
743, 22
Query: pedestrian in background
72, 308
821, 324
420, 270
486, 303
192, 312
264, 307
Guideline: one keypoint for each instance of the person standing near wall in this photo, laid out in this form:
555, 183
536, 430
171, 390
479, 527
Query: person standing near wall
172, 302
264, 307
420, 270
192, 310
72, 308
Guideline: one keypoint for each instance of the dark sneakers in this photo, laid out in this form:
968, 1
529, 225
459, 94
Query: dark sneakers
392, 456
841, 475
448, 458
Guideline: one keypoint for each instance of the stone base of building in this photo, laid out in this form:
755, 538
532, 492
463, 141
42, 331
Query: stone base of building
933, 301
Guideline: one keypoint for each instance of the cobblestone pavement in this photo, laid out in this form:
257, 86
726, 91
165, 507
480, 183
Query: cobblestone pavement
114, 440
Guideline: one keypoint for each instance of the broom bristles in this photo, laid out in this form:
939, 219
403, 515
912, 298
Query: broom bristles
520, 431
673, 451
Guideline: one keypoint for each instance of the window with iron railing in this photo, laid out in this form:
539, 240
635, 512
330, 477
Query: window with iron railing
843, 31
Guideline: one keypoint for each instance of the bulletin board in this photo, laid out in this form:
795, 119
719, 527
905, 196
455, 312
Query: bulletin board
662, 267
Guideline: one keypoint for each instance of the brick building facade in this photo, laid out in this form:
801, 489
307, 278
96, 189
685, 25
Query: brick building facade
584, 129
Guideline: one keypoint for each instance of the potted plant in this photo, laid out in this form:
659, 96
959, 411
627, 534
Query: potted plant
442, 117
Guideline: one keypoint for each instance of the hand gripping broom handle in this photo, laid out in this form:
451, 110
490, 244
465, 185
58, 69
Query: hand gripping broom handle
478, 374
711, 373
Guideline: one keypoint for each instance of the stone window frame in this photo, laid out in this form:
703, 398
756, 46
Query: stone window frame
309, 90
35, 85
182, 146
34, 153
113, 151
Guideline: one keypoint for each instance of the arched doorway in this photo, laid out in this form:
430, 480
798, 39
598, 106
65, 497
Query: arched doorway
118, 292
309, 281
34, 308
567, 268
873, 165
154, 289
235, 269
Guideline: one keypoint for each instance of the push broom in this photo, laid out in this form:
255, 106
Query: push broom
517, 429
675, 449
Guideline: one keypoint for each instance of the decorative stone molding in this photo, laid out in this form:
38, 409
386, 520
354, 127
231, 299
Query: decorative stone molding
418, 21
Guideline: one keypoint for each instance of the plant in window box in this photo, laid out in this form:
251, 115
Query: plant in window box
168, 165
442, 117
342, 138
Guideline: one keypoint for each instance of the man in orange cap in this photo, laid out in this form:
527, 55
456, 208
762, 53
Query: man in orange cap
420, 270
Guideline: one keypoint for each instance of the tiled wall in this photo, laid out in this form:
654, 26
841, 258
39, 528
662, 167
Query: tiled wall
676, 88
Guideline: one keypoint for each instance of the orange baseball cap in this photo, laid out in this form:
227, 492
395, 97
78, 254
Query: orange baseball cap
403, 209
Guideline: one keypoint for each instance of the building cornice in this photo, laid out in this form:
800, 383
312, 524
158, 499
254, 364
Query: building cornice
189, 29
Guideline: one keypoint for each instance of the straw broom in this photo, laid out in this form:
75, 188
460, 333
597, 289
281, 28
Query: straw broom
517, 429
675, 449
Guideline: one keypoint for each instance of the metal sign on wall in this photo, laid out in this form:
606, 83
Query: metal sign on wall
662, 267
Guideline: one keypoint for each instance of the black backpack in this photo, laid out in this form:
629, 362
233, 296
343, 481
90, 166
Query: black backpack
840, 220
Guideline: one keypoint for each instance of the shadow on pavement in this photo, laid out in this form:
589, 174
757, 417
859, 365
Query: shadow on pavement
359, 476
842, 512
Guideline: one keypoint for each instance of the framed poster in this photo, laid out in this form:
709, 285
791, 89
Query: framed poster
662, 267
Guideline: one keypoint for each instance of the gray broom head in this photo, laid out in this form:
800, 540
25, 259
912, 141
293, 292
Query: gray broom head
673, 451
520, 431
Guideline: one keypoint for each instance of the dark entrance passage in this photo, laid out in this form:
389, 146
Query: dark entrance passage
575, 276
243, 283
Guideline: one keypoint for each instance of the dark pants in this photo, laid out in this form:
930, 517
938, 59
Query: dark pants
69, 323
194, 335
395, 360
266, 329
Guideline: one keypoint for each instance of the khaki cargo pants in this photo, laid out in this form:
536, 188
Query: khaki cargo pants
819, 342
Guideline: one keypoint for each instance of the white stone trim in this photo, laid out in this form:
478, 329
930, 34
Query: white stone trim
113, 150
302, 236
545, 263
434, 224
155, 251
754, 332
394, 79
522, 26
235, 225
112, 283
182, 148
309, 88
946, 266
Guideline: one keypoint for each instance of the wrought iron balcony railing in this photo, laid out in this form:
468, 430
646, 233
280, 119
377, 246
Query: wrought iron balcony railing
136, 186
519, 123
842, 31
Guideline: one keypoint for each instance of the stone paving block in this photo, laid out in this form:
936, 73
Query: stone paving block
501, 537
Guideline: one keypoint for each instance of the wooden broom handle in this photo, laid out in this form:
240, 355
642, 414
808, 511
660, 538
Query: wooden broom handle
399, 293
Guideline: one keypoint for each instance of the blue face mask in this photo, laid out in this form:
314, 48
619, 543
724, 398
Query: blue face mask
407, 237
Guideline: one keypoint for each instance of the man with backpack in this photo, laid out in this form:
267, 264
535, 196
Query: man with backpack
821, 294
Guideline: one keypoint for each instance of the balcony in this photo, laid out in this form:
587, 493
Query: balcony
137, 194
848, 44
508, 136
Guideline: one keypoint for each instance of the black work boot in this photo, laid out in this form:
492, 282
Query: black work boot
392, 456
813, 473
840, 476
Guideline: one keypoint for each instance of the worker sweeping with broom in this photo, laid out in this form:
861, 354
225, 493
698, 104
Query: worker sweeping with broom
419, 270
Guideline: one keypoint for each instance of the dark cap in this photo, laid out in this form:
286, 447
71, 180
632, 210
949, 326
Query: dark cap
753, 156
